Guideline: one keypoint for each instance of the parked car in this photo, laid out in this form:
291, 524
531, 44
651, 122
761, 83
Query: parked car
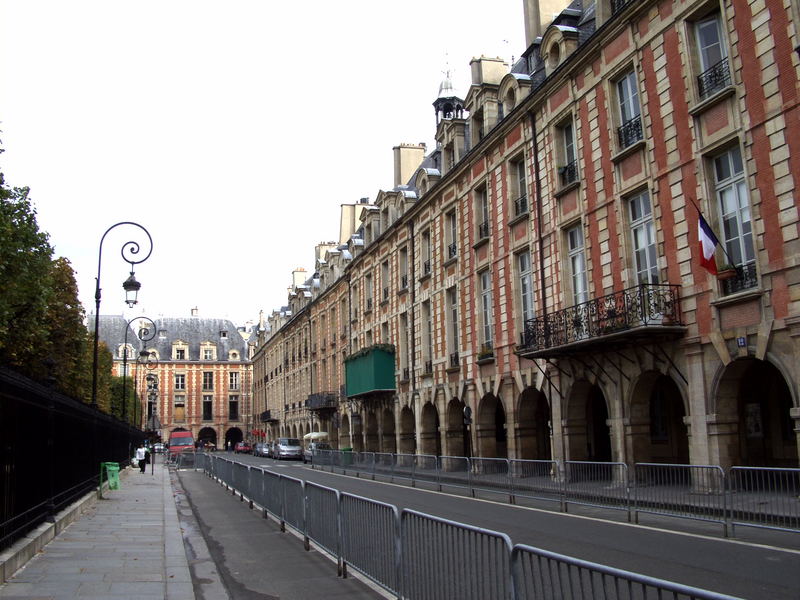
243, 448
313, 447
261, 449
287, 448
158, 447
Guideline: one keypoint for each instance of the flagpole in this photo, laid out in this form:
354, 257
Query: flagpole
721, 244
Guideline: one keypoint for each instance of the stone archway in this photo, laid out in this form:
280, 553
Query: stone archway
533, 426
586, 433
456, 432
491, 428
233, 436
656, 431
344, 432
207, 435
388, 438
371, 433
754, 416
358, 432
408, 433
430, 441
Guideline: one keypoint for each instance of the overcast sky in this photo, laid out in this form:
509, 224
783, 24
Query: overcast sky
232, 130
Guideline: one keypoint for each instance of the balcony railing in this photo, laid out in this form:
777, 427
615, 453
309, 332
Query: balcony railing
426, 267
385, 294
452, 251
645, 305
369, 304
630, 132
746, 278
568, 173
266, 417
483, 230
454, 360
404, 282
406, 374
521, 205
322, 401
714, 79
428, 367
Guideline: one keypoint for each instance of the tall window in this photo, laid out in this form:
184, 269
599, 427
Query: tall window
208, 408
404, 346
713, 56
451, 234
519, 188
180, 381
385, 280
426, 252
368, 292
482, 212
427, 336
568, 171
180, 354
452, 323
630, 130
525, 285
233, 408
403, 268
179, 411
208, 380
644, 238
233, 380
734, 207
208, 354
577, 264
486, 308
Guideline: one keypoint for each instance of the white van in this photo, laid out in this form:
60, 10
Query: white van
316, 440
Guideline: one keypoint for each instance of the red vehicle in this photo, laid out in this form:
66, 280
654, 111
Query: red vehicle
180, 441
243, 447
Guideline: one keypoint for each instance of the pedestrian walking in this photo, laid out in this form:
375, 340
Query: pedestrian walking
141, 457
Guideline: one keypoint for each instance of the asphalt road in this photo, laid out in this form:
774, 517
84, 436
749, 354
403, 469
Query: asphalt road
702, 558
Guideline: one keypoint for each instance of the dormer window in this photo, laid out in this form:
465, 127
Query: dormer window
223, 335
553, 57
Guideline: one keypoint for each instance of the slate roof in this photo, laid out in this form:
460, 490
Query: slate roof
112, 332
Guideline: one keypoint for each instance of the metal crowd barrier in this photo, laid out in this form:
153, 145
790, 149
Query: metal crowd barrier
744, 496
419, 557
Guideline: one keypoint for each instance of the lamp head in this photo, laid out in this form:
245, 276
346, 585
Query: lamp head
131, 287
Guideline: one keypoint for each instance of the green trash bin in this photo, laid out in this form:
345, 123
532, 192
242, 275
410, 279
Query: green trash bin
112, 475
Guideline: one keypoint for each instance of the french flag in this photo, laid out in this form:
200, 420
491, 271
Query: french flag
708, 243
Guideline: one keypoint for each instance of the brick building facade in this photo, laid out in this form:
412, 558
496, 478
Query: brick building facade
541, 270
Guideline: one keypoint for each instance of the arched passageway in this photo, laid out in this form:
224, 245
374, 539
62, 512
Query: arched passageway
388, 438
358, 432
408, 434
207, 435
586, 432
233, 436
371, 433
457, 442
533, 426
429, 436
657, 430
344, 432
492, 430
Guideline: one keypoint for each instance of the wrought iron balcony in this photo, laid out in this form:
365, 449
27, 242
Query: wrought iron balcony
385, 294
426, 267
521, 205
369, 304
746, 278
483, 230
404, 282
454, 360
406, 374
428, 367
568, 173
486, 352
266, 417
646, 310
630, 132
714, 79
452, 251
322, 401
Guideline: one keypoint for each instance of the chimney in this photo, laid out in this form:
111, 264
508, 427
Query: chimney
538, 15
194, 312
407, 159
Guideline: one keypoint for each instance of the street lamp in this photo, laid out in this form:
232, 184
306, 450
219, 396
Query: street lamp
129, 252
153, 423
146, 361
145, 334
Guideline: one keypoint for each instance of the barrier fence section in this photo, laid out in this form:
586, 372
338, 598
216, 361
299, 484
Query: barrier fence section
603, 484
374, 552
446, 559
536, 479
454, 471
764, 497
419, 556
688, 491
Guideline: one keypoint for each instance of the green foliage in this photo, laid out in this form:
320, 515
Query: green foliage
116, 398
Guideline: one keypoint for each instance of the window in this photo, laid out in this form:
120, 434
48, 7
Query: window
368, 292
568, 171
179, 411
452, 325
208, 408
525, 275
644, 238
385, 333
630, 130
451, 234
180, 381
208, 380
577, 265
713, 56
404, 345
179, 353
519, 188
486, 308
223, 335
385, 280
403, 268
426, 252
233, 408
233, 380
427, 336
734, 207
482, 212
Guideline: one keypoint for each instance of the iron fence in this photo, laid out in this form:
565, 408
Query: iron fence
419, 557
761, 497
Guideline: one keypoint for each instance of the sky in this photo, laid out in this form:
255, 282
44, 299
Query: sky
232, 131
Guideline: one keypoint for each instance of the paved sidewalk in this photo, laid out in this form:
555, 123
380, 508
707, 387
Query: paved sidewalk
128, 545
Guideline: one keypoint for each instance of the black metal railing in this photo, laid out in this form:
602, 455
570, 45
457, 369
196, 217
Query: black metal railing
568, 173
714, 79
322, 401
406, 374
619, 5
746, 278
642, 305
265, 417
428, 367
369, 304
426, 267
521, 205
454, 360
630, 132
483, 230
385, 293
404, 282
452, 250
486, 351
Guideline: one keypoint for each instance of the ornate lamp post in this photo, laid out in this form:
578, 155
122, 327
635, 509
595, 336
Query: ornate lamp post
129, 251
153, 423
145, 334
144, 363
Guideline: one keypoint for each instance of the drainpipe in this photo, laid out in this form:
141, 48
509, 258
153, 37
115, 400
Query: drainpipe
538, 184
